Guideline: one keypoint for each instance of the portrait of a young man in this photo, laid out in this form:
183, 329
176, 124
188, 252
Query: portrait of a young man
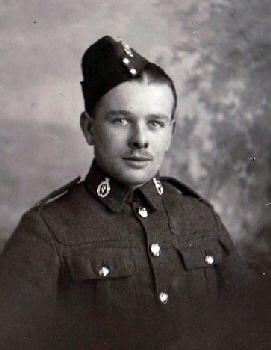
123, 258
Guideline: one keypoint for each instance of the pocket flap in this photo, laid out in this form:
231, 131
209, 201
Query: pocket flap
117, 262
202, 252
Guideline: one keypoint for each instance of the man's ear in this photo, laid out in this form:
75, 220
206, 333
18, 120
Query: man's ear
172, 127
86, 123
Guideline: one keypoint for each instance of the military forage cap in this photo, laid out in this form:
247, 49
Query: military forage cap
106, 64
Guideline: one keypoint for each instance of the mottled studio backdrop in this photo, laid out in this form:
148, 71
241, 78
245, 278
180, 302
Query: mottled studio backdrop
218, 53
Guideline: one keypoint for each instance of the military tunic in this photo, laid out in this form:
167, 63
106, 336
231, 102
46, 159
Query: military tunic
98, 266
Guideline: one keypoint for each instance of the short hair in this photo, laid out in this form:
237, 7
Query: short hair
153, 74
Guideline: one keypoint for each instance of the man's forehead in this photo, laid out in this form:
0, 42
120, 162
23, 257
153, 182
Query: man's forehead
139, 96
135, 89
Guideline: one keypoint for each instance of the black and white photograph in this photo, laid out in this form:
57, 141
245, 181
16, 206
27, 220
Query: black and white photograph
135, 172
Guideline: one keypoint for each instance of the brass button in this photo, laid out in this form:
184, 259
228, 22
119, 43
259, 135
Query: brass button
209, 259
133, 71
103, 271
155, 249
163, 296
143, 212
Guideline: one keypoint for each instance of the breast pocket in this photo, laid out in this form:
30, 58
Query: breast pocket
109, 273
200, 258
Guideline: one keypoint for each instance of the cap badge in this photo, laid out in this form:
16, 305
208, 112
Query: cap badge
129, 58
104, 188
126, 48
158, 185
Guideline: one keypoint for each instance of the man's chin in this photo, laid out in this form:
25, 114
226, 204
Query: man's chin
136, 180
132, 176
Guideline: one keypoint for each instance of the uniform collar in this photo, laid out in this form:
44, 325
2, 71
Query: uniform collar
115, 193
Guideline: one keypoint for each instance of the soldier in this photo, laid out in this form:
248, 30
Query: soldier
124, 259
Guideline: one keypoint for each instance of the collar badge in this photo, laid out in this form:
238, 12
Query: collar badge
104, 188
158, 185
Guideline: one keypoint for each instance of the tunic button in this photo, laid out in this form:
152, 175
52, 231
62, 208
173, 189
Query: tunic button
133, 71
155, 249
143, 212
163, 297
209, 259
103, 271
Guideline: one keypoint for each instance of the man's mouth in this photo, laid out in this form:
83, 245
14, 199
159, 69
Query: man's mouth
138, 158
137, 161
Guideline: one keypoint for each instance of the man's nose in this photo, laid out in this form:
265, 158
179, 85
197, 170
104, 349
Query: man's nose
139, 138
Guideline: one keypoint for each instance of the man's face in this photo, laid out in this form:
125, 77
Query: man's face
131, 131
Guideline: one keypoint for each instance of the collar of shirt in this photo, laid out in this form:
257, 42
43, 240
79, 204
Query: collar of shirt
116, 193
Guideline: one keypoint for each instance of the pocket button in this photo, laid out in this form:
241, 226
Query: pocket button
209, 259
103, 271
163, 296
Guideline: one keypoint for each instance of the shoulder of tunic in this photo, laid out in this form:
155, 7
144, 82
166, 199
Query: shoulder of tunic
185, 190
56, 194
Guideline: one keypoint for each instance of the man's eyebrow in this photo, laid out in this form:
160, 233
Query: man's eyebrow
117, 112
128, 114
159, 116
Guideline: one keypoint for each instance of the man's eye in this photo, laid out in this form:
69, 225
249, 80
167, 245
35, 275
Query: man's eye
121, 121
157, 124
